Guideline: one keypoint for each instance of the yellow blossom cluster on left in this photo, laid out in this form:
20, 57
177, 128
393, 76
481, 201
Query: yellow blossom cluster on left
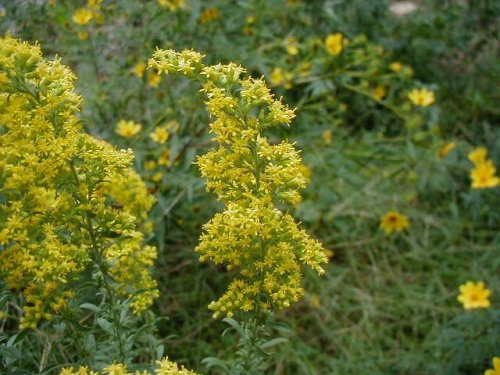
163, 367
67, 200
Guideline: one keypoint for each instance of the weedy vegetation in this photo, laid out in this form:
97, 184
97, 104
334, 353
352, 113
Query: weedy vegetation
249, 187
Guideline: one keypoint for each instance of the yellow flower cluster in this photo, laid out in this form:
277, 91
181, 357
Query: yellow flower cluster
163, 367
250, 175
67, 200
484, 173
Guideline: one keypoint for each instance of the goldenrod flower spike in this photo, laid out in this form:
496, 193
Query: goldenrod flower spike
250, 176
60, 189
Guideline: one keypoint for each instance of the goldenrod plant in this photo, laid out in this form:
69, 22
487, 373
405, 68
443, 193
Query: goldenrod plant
70, 204
252, 236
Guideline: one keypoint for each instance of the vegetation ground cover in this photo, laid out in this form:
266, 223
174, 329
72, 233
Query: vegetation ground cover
397, 127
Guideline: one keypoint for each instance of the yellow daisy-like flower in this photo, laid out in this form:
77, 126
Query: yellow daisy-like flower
83, 35
443, 151
209, 15
422, 97
96, 4
474, 295
378, 92
172, 126
314, 301
396, 67
483, 176
478, 155
138, 69
304, 69
291, 46
335, 43
149, 165
496, 367
164, 159
154, 79
327, 136
127, 129
280, 77
160, 135
393, 221
82, 16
